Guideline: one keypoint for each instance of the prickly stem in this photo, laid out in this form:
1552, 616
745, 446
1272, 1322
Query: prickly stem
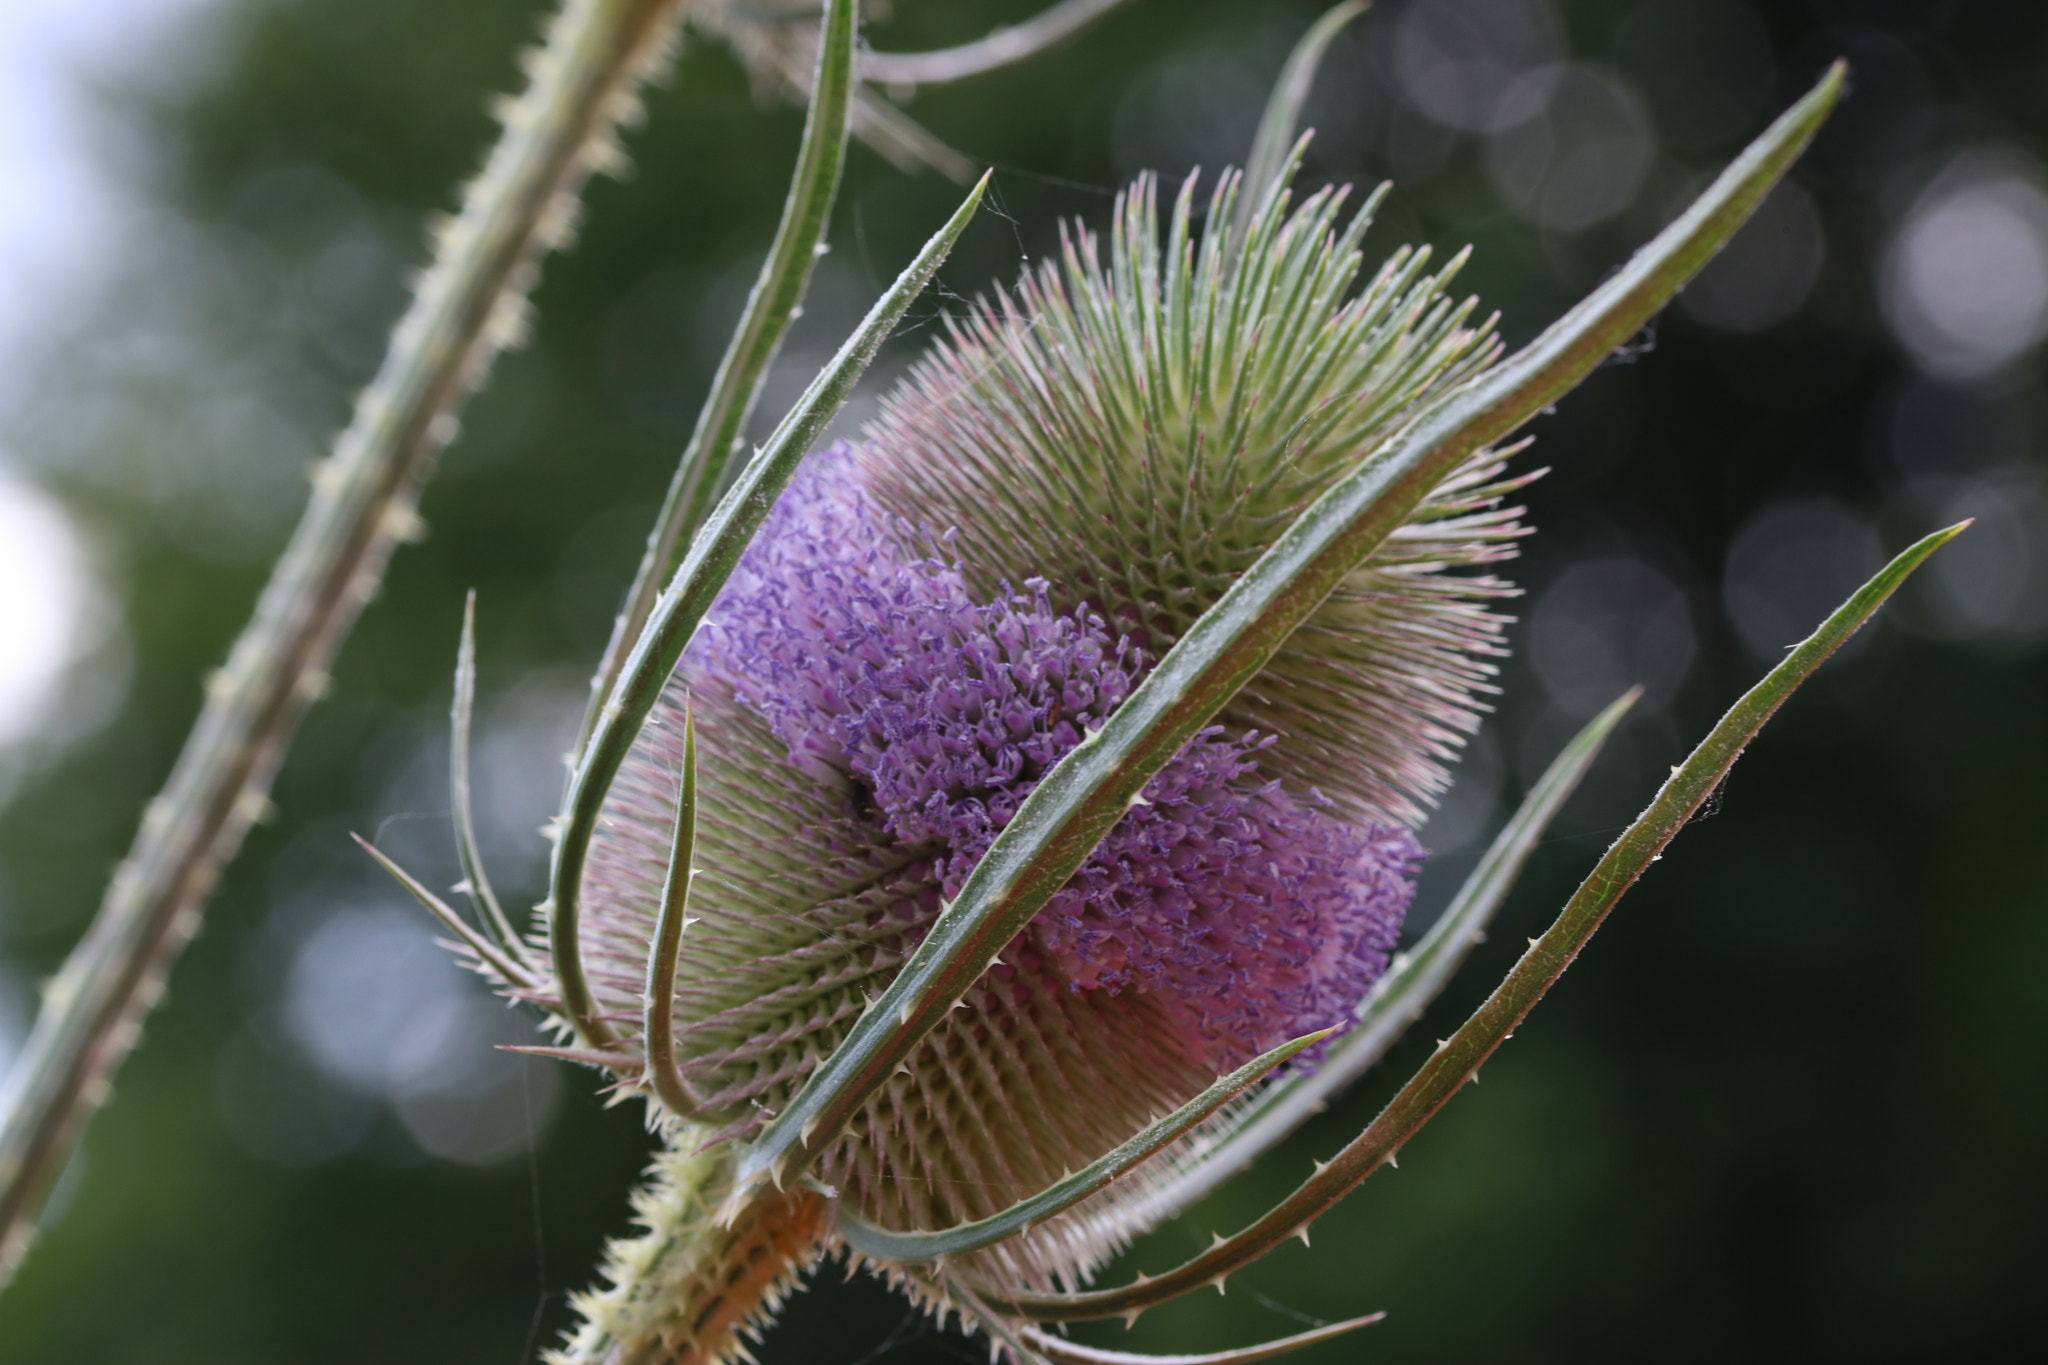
468, 307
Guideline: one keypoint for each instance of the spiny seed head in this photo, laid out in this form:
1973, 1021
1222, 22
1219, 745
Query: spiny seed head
1137, 432
928, 622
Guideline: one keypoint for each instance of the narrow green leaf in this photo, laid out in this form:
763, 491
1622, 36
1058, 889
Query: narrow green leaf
485, 950
659, 1003
474, 882
1063, 1194
1458, 1058
736, 388
1087, 792
1415, 978
1273, 150
623, 1061
714, 552
1060, 1351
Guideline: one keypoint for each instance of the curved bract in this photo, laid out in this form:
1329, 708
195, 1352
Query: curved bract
681, 608
881, 1245
772, 305
1457, 1059
1414, 979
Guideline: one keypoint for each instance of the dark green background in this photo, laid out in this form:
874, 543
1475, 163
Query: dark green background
1792, 1103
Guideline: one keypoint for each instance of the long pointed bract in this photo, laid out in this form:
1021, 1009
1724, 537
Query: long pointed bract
717, 548
474, 880
736, 388
1414, 979
1060, 1351
1458, 1058
884, 1245
480, 947
1272, 145
1001, 1331
658, 1007
1080, 799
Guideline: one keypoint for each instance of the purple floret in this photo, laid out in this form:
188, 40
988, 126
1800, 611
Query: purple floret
1261, 915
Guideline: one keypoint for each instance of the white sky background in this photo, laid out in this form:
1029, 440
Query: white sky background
300, 1082
71, 199
67, 171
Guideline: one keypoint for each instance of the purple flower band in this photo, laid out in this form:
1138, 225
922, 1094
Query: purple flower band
1260, 914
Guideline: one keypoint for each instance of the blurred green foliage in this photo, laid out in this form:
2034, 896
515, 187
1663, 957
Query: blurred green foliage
1790, 1106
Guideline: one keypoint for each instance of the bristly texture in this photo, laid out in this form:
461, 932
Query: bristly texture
928, 622
1263, 917
878, 703
804, 909
866, 727
661, 1303
1136, 433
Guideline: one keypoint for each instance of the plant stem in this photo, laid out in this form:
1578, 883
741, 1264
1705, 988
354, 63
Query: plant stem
690, 1285
469, 306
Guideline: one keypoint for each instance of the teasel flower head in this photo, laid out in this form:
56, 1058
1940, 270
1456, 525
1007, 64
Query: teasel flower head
931, 618
979, 790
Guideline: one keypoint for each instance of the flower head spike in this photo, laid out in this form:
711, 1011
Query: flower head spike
1139, 431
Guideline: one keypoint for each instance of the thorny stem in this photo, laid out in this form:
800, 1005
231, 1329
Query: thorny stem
685, 1289
469, 306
